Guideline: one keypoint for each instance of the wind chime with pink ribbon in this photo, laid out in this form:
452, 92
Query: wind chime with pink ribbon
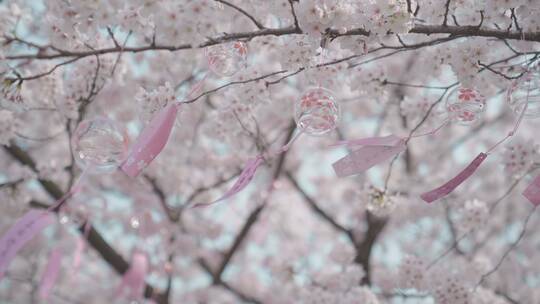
464, 106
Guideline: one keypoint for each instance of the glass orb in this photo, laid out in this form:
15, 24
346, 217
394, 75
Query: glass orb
317, 112
525, 91
465, 106
99, 145
227, 59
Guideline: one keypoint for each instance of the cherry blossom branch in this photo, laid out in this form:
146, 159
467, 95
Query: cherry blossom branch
453, 31
234, 83
48, 72
214, 185
155, 47
243, 12
318, 210
419, 86
172, 214
446, 10
293, 13
233, 290
460, 31
452, 227
487, 67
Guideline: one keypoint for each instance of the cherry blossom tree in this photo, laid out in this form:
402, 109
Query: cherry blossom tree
298, 233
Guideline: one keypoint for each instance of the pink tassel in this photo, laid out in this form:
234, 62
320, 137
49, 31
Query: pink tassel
151, 141
366, 157
51, 274
134, 277
452, 184
24, 230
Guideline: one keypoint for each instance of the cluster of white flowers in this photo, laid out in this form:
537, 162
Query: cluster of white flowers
412, 273
132, 20
378, 202
150, 102
377, 17
316, 17
464, 59
325, 76
416, 107
86, 79
472, 214
356, 294
297, 51
518, 156
254, 93
388, 16
448, 289
368, 82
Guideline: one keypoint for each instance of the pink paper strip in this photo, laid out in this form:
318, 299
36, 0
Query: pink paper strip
532, 192
51, 273
77, 257
151, 141
366, 157
28, 226
134, 276
452, 184
243, 180
390, 140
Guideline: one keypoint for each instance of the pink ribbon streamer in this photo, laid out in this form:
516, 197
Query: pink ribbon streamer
134, 277
249, 171
366, 157
151, 141
51, 273
29, 225
154, 137
25, 229
243, 180
374, 150
532, 192
452, 184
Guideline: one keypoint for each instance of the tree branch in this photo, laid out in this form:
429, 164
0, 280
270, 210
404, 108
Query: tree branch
461, 31
315, 207
252, 218
446, 9
243, 12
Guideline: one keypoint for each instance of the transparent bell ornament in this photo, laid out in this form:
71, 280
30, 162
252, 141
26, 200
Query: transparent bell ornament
317, 112
465, 106
99, 145
525, 91
227, 59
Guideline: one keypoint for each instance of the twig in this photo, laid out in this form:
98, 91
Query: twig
243, 12
446, 10
507, 252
